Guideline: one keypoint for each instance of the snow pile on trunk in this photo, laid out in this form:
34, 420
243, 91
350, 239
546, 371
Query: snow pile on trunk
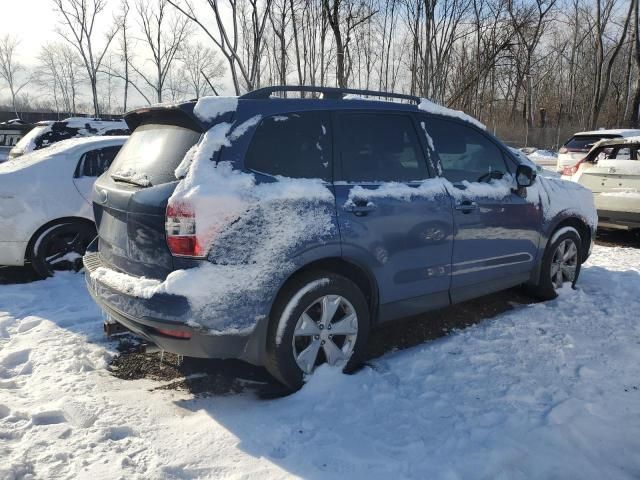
548, 390
437, 109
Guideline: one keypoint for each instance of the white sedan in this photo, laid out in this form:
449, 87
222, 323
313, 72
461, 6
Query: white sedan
46, 218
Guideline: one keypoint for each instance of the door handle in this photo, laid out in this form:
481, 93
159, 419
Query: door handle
360, 207
466, 206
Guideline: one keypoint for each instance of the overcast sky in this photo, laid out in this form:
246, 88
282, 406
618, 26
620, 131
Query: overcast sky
33, 22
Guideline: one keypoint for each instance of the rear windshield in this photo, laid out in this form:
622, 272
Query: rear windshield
585, 142
153, 152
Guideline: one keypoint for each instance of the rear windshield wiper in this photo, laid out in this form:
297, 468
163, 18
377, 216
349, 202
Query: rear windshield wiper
139, 180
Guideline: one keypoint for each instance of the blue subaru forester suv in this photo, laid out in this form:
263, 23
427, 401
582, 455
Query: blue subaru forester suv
281, 230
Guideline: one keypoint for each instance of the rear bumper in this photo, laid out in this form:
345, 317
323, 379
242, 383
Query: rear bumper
146, 316
12, 253
618, 220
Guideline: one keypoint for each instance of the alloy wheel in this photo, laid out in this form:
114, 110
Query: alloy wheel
325, 332
564, 263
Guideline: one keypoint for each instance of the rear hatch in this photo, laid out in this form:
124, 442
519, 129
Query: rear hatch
577, 148
130, 199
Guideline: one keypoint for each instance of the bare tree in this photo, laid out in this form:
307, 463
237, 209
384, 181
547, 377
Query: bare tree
164, 34
60, 66
635, 104
125, 55
202, 69
603, 72
12, 72
344, 17
80, 17
243, 52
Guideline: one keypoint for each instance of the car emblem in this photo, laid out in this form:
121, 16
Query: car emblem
103, 196
612, 170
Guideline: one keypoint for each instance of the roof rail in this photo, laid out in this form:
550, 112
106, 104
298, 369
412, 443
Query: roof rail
327, 92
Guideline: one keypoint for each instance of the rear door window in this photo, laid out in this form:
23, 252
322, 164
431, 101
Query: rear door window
465, 153
296, 145
380, 148
153, 151
95, 162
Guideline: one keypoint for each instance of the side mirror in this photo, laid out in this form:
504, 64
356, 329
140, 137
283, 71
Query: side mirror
525, 176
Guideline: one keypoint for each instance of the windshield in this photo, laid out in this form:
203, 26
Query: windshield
585, 142
27, 143
152, 154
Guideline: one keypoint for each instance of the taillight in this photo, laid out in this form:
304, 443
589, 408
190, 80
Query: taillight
174, 333
180, 226
563, 150
569, 171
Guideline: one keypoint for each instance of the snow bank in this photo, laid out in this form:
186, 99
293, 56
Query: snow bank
209, 108
548, 390
437, 109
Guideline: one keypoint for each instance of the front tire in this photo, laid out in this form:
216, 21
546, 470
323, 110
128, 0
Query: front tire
60, 247
319, 318
561, 264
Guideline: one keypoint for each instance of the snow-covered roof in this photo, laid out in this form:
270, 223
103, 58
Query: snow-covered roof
623, 132
437, 109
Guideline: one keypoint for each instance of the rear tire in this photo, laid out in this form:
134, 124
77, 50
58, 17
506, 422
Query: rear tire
318, 318
561, 264
60, 247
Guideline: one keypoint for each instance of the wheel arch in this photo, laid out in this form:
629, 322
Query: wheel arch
575, 221
341, 266
48, 225
583, 230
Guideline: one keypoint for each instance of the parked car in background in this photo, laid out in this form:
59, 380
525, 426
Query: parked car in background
49, 132
11, 132
45, 203
611, 170
281, 230
577, 147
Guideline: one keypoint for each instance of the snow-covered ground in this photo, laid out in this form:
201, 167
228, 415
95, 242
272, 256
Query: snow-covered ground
550, 390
